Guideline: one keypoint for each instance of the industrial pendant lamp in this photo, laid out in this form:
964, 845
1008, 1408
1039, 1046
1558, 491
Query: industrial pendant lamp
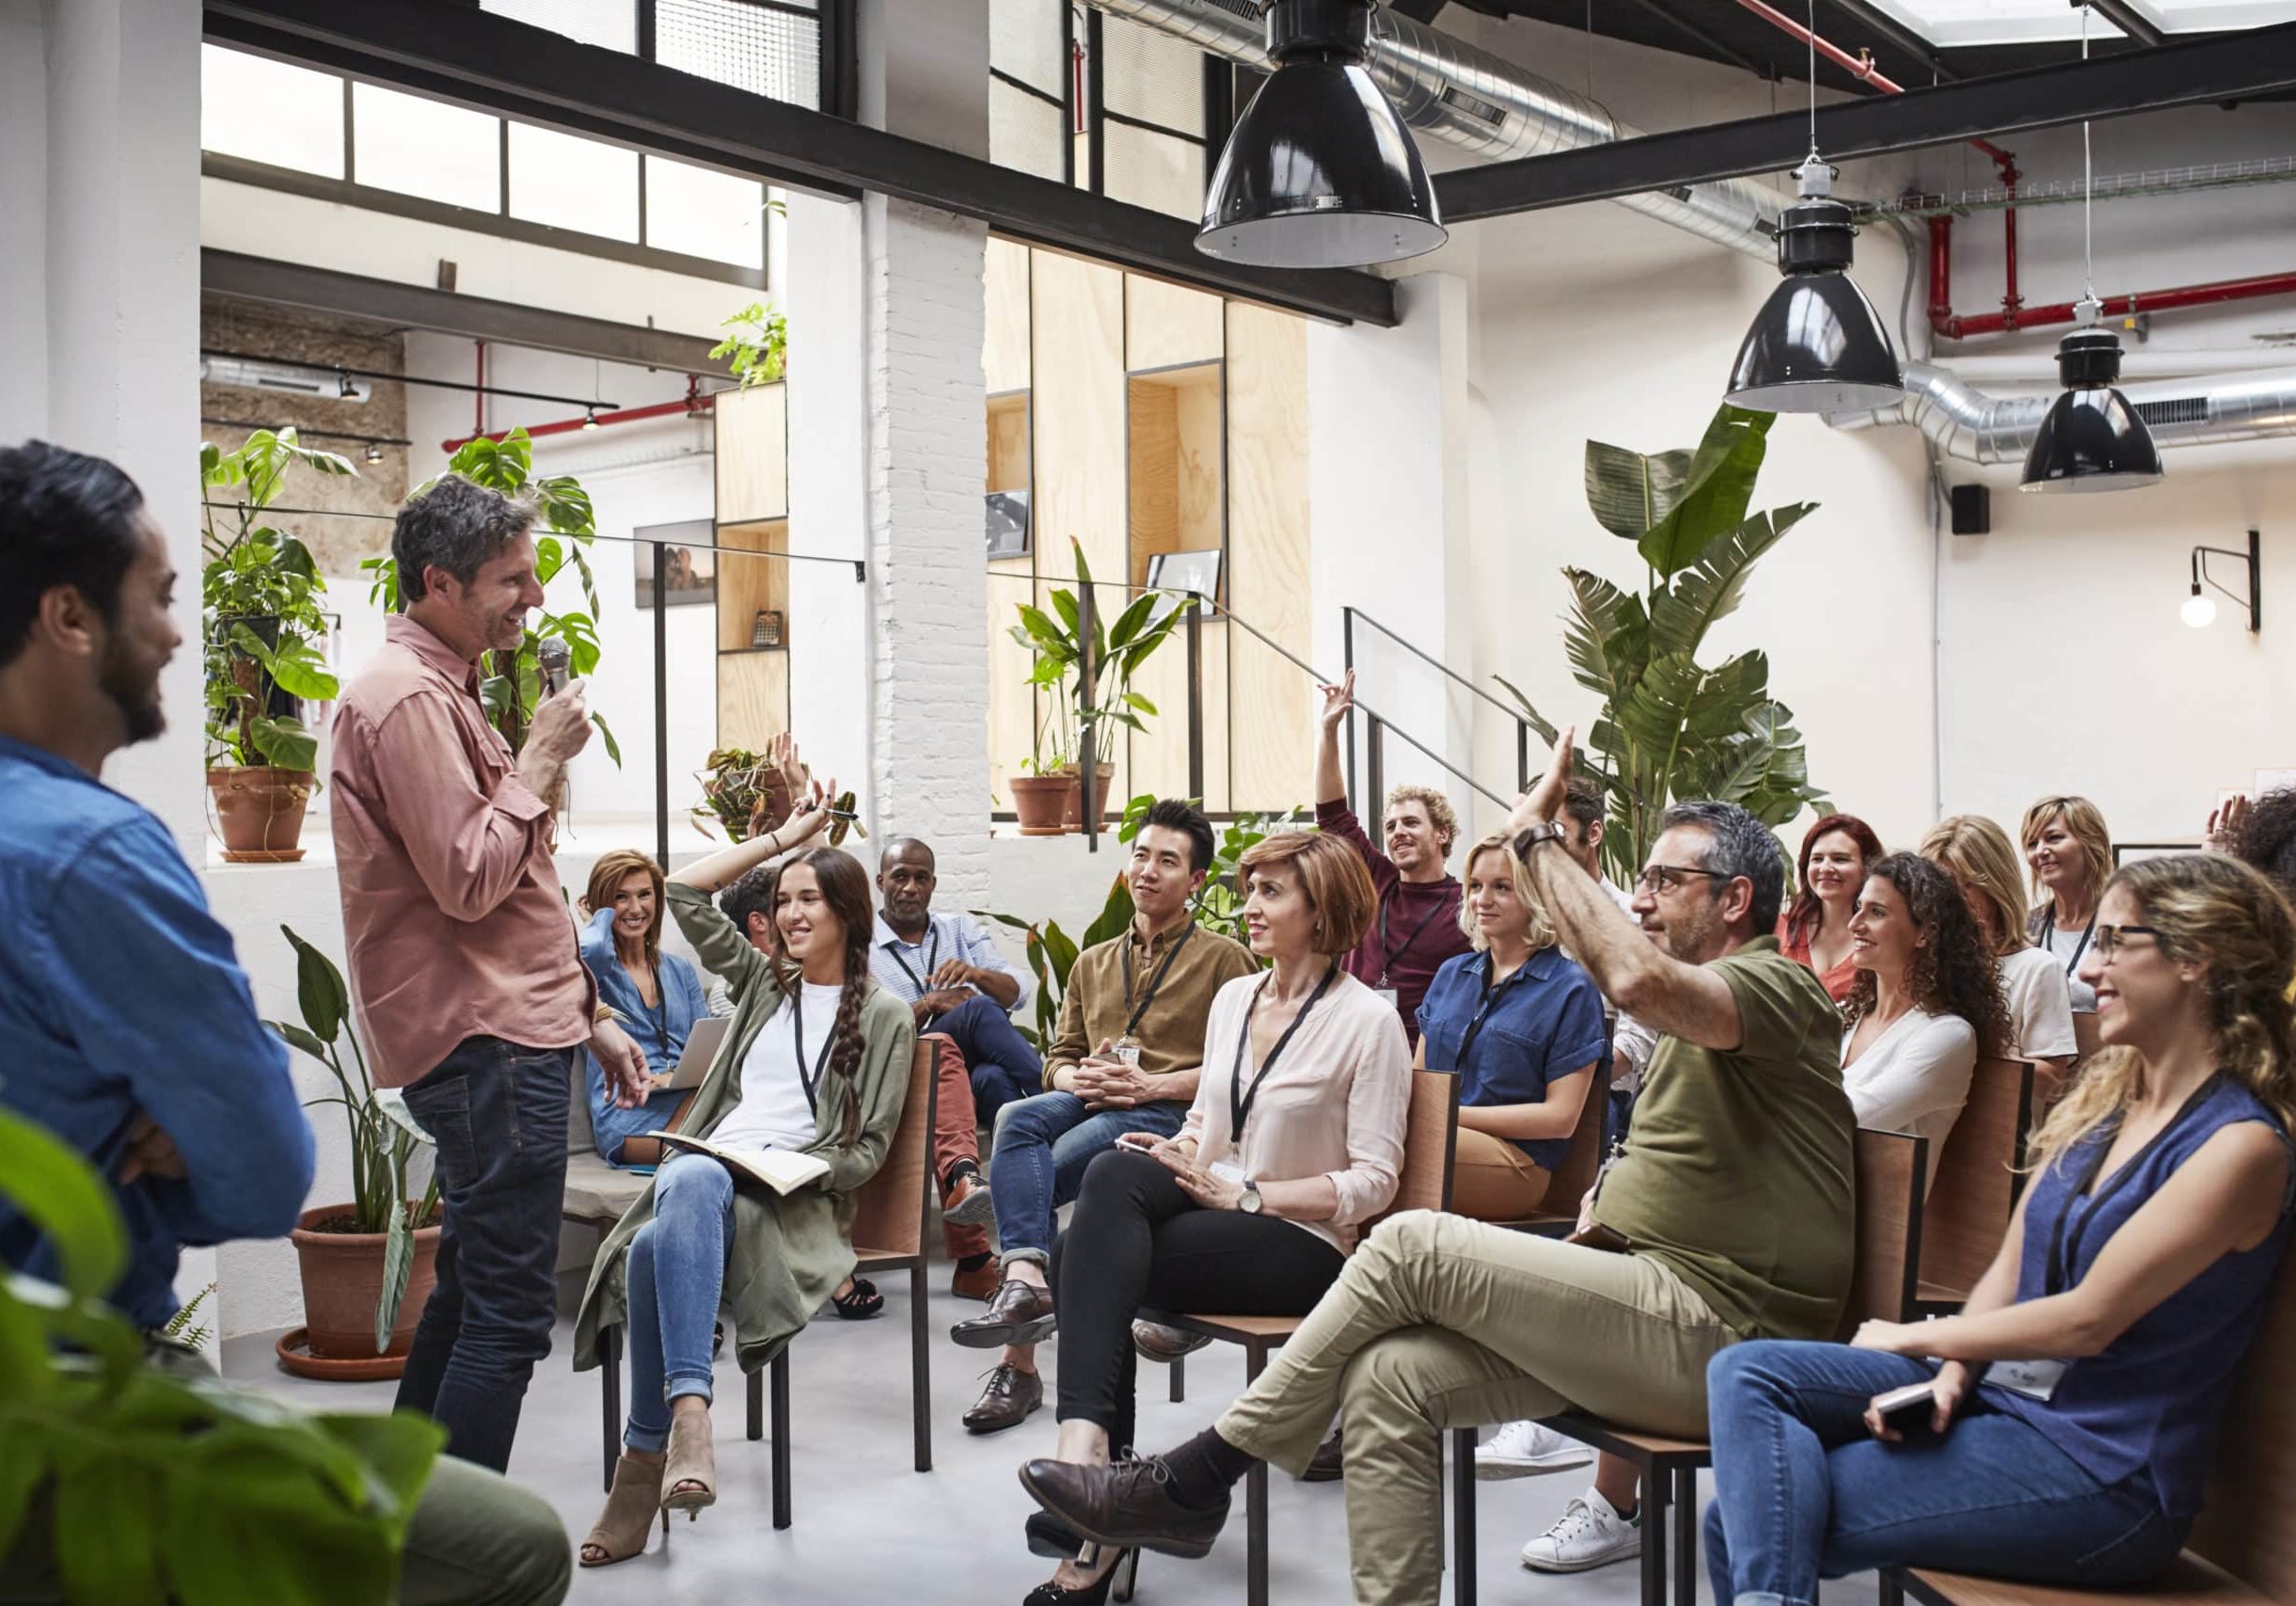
1320, 171
1817, 346
2090, 440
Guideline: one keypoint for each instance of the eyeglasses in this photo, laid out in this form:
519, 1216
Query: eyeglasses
2111, 939
1666, 878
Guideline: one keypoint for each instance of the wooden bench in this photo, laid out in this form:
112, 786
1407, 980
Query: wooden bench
1976, 1185
2244, 1547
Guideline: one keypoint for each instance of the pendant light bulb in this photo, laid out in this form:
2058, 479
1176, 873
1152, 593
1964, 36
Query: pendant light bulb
1817, 346
2199, 610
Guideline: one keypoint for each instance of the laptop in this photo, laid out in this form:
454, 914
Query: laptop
701, 1046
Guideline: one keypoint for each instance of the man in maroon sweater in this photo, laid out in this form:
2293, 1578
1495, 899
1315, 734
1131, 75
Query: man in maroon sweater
1417, 925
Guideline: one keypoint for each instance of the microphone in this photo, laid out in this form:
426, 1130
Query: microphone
555, 658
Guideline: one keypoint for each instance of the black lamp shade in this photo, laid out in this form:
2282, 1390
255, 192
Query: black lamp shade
1320, 172
1817, 346
2091, 440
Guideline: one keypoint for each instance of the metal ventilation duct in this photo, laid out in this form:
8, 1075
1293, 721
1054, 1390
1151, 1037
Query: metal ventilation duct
1968, 424
1468, 97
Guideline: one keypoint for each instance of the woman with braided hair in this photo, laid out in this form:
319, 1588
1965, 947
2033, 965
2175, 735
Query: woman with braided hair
1925, 1005
816, 1062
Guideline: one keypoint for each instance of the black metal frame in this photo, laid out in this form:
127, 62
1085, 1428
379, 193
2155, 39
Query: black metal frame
1348, 615
2253, 558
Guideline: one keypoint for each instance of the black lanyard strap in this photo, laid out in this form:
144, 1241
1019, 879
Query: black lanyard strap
1388, 955
1134, 1011
1239, 1100
797, 1014
932, 952
2049, 934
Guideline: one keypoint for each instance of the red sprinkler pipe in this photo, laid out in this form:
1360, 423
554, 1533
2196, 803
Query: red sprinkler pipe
694, 406
1954, 327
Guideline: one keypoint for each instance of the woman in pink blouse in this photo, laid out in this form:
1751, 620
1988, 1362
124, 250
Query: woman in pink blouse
1296, 1138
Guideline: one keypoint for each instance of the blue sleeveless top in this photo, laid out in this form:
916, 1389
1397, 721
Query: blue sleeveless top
2154, 1397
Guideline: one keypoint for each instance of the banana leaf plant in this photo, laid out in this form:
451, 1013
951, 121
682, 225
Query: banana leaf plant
1118, 649
383, 1137
1670, 727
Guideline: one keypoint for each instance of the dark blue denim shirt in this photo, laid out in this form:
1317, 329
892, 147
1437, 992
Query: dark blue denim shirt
1544, 1022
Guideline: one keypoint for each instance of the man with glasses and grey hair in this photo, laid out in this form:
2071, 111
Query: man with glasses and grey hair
1728, 1217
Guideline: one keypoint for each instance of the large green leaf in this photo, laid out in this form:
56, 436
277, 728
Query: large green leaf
53, 1189
1630, 491
319, 989
284, 743
1709, 589
1116, 914
1549, 731
1716, 492
1605, 635
398, 1267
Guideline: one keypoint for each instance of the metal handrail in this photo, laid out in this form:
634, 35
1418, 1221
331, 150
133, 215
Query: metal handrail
1349, 614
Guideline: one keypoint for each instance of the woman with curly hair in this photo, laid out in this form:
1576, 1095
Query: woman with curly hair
2139, 1265
1838, 853
1926, 1003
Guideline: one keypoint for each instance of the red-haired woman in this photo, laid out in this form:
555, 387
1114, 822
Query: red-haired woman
1837, 852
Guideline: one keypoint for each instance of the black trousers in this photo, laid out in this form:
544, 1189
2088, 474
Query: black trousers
1137, 1239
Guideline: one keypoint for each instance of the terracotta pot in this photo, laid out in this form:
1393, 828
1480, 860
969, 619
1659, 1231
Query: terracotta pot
1041, 800
1073, 817
342, 1281
259, 810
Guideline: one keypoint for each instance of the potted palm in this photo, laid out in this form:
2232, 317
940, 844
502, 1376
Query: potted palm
369, 1264
263, 634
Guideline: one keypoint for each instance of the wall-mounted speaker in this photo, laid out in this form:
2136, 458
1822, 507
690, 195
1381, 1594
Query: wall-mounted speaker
1972, 510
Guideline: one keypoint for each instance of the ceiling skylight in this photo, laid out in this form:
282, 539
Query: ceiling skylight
1954, 23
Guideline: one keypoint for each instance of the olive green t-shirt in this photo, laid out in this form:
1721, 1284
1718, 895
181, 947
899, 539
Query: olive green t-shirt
1738, 1174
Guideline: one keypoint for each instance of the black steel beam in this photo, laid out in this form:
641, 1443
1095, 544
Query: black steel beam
482, 59
1691, 31
2130, 20
2224, 67
419, 307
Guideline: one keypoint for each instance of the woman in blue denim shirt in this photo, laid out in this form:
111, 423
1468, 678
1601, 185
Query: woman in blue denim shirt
657, 996
1522, 1025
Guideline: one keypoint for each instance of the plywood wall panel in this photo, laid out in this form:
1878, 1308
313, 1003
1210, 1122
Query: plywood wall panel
1005, 346
1078, 392
753, 453
1164, 324
747, 584
752, 698
1271, 727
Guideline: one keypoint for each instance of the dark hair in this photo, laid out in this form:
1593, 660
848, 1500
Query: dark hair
2267, 838
1954, 973
1582, 800
845, 887
1808, 913
1737, 845
1175, 814
65, 518
752, 894
458, 526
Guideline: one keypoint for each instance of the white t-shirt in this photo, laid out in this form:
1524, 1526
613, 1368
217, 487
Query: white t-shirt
1914, 1077
774, 1112
2040, 1004
2071, 944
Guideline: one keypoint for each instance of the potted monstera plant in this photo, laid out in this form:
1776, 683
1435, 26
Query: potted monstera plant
263, 634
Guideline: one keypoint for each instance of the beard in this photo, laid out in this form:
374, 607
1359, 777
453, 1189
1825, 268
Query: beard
132, 689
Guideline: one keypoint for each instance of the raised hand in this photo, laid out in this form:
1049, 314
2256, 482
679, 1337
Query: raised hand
1338, 700
2224, 822
1543, 802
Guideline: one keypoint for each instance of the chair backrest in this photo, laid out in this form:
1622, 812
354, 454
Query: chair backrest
1891, 1165
2244, 1527
1977, 1178
1431, 1140
890, 1210
1580, 1164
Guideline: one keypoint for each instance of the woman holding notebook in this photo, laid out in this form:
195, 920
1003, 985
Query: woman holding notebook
803, 1101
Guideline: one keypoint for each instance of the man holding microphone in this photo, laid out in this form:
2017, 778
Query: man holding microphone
469, 986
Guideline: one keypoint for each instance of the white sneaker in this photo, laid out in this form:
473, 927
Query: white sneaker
1527, 1449
1590, 1533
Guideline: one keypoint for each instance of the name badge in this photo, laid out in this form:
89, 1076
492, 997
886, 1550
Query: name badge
1229, 1170
2034, 1379
1388, 997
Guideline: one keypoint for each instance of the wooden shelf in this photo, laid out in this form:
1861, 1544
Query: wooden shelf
1174, 424
745, 586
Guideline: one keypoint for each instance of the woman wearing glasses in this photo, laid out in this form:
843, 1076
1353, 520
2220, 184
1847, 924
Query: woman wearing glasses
2137, 1268
1815, 928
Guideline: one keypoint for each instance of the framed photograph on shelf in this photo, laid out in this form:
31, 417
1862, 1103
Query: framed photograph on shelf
1007, 524
1196, 573
689, 556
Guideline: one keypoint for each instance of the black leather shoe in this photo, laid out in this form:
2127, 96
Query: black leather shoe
1328, 1464
1129, 1504
1011, 1395
1022, 1313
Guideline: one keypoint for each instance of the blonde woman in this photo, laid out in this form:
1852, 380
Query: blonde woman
1976, 854
658, 996
2141, 1260
2070, 855
1521, 1026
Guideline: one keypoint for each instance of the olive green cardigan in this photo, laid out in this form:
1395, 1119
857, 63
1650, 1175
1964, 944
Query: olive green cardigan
789, 1252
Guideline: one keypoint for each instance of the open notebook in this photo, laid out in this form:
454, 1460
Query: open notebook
784, 1170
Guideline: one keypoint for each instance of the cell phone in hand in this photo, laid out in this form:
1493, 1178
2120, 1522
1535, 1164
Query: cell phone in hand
1144, 1141
1907, 1410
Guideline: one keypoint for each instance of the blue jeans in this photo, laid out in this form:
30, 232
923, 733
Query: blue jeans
1038, 1163
497, 1112
1004, 1068
675, 1277
1802, 1490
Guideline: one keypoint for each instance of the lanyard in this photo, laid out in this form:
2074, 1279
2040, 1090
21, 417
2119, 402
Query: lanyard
932, 951
2063, 1255
1387, 956
1239, 1100
796, 1013
1156, 981
1491, 993
2048, 932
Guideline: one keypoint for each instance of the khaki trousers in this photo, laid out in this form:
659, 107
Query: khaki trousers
1493, 1181
1440, 1322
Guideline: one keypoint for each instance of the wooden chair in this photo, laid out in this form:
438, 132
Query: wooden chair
891, 1212
1430, 1136
1977, 1183
1558, 1212
1890, 1170
2244, 1547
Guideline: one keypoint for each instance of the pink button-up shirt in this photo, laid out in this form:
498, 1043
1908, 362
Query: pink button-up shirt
450, 901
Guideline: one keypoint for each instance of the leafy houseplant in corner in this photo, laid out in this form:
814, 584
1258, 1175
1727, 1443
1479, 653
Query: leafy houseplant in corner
368, 1265
264, 632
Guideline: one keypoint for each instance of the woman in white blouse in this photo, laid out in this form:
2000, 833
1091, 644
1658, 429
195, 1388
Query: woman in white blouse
1925, 1005
1295, 1140
2069, 851
1976, 854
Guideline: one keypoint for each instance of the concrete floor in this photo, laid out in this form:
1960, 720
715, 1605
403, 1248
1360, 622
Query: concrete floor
869, 1528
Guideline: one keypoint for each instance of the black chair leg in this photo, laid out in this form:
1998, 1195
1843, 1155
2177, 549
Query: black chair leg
1255, 1501
1655, 1494
756, 1425
610, 1378
1686, 1536
780, 1440
920, 1368
1463, 1517
1179, 1380
1892, 1588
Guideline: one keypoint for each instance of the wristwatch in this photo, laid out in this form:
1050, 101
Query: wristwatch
1531, 836
1250, 1202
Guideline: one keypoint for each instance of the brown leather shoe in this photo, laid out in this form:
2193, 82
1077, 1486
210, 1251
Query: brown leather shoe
1012, 1395
1022, 1313
1127, 1504
1155, 1341
1328, 1465
966, 1203
978, 1283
